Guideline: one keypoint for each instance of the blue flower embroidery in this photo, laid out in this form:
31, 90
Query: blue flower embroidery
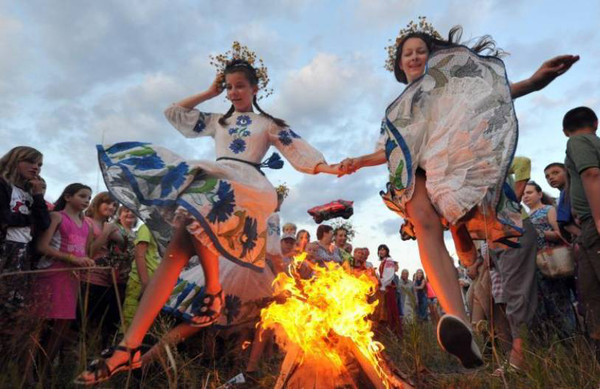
173, 179
201, 123
293, 134
233, 305
243, 120
284, 138
382, 129
118, 147
232, 131
238, 146
150, 162
249, 236
223, 207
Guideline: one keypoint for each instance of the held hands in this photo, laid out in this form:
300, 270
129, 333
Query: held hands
347, 166
551, 69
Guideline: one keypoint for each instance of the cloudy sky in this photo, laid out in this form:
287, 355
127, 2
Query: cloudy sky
74, 74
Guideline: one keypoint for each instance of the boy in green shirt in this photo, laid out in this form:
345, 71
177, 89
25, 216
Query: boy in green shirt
583, 164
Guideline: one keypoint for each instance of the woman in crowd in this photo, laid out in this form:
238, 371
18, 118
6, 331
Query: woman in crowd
555, 313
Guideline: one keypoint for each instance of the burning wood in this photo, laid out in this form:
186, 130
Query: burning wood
324, 326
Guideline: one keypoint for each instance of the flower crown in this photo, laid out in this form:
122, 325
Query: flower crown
239, 51
423, 26
283, 190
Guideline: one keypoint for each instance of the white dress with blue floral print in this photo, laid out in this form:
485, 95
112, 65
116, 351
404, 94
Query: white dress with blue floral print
457, 123
227, 201
246, 291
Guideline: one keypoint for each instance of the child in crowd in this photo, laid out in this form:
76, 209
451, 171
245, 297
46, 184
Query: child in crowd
289, 229
97, 288
64, 245
556, 176
583, 165
22, 211
146, 261
121, 250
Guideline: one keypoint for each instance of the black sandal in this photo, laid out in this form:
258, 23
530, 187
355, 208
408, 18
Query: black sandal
207, 311
101, 370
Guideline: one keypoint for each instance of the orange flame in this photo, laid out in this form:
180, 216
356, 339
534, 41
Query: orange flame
332, 301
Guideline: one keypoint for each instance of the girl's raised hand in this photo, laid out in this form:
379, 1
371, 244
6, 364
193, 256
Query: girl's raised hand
551, 69
216, 87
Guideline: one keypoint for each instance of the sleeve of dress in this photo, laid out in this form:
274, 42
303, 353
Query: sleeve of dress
191, 122
383, 137
296, 150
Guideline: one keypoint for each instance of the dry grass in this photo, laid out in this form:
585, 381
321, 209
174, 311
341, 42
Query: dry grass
211, 358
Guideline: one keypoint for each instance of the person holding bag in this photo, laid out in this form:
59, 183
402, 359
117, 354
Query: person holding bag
555, 264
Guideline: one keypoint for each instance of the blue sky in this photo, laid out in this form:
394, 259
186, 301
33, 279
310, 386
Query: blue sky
74, 74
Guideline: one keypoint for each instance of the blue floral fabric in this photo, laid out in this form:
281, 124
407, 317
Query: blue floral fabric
226, 202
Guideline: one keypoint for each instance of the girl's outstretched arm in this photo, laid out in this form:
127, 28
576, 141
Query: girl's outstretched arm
214, 90
350, 165
543, 76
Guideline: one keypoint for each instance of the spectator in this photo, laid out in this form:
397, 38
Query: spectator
387, 270
432, 303
407, 294
325, 251
289, 228
583, 164
516, 266
64, 246
556, 176
302, 239
23, 212
341, 242
421, 291
555, 311
146, 260
97, 287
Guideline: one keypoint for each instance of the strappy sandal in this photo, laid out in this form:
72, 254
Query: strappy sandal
101, 370
206, 309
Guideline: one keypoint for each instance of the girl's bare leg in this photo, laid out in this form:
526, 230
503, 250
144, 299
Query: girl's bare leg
210, 265
436, 261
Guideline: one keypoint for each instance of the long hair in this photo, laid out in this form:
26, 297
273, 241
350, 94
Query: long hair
386, 248
483, 44
241, 66
10, 160
97, 201
70, 190
546, 198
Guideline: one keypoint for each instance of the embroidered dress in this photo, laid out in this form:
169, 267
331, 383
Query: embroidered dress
457, 123
246, 291
226, 203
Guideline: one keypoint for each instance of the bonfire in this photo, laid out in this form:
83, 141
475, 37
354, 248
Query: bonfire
323, 325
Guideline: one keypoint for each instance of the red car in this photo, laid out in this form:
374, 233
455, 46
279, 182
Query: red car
337, 208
